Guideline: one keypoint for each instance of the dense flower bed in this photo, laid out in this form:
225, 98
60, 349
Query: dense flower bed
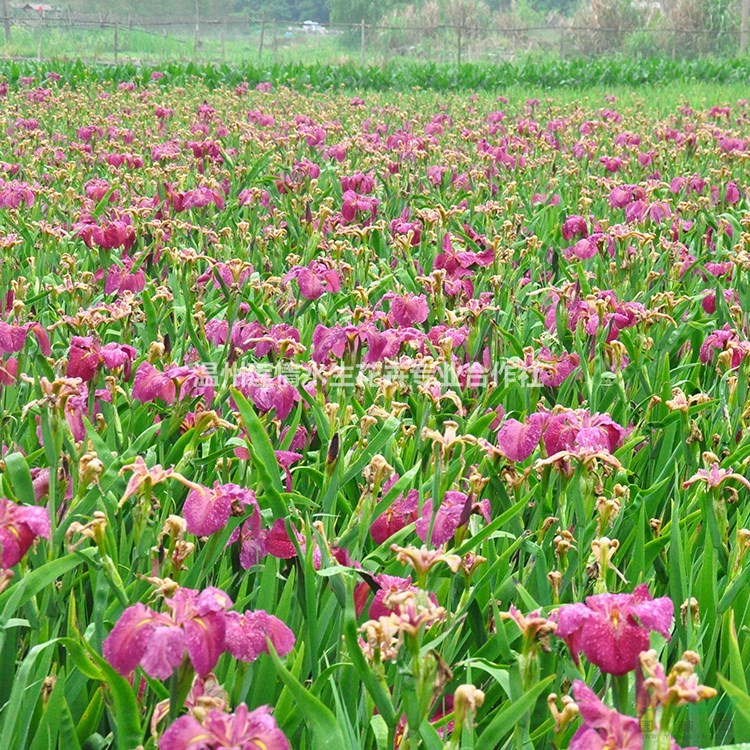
371, 421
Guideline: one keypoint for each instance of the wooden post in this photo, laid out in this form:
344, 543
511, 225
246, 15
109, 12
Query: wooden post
197, 40
275, 45
39, 40
459, 19
362, 42
117, 34
262, 34
6, 21
744, 26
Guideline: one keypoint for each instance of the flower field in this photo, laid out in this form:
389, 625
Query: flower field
372, 420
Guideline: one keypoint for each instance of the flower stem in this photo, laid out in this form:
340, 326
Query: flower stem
620, 692
174, 695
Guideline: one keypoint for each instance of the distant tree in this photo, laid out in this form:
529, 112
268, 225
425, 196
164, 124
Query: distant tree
164, 9
285, 10
564, 7
353, 11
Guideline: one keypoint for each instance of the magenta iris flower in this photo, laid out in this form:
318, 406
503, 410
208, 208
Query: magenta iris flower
86, 357
20, 525
207, 510
250, 535
574, 226
266, 392
247, 635
195, 622
402, 512
151, 384
547, 368
235, 275
245, 729
603, 727
387, 585
315, 279
517, 440
577, 429
13, 337
176, 382
107, 235
725, 339
454, 511
408, 310
403, 227
198, 622
246, 336
335, 341
611, 630
120, 279
354, 206
569, 430
279, 544
83, 358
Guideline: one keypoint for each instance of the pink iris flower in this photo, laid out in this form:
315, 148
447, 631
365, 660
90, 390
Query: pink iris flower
725, 339
246, 336
198, 198
603, 727
229, 275
15, 194
403, 227
157, 641
315, 279
612, 629
408, 310
20, 525
13, 337
583, 249
279, 544
122, 279
336, 341
454, 511
354, 204
574, 226
517, 440
548, 369
177, 381
578, 429
250, 535
266, 392
247, 635
207, 510
250, 730
386, 585
400, 514
708, 303
198, 622
108, 235
458, 263
86, 357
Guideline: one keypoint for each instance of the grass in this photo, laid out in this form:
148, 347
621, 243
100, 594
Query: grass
240, 43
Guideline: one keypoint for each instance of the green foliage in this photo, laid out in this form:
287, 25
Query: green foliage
537, 73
